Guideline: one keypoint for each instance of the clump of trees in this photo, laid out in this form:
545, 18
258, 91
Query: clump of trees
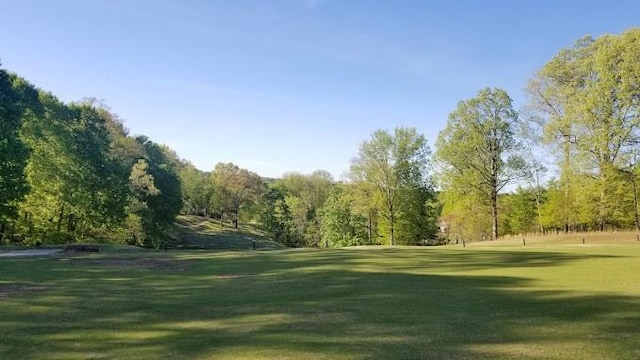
389, 198
587, 102
71, 172
583, 112
395, 169
479, 152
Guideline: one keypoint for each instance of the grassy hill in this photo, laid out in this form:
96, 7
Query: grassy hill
195, 232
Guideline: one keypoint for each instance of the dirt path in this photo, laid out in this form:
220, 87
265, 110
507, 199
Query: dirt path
21, 253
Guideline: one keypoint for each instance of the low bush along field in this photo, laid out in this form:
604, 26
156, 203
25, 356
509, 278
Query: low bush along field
387, 303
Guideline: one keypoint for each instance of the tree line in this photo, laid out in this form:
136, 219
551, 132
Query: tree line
583, 113
389, 198
70, 172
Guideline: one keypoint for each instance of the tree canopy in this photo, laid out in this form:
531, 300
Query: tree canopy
478, 149
396, 167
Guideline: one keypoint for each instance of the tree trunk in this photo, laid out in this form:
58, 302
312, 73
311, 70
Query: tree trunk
495, 159
392, 223
494, 196
603, 201
494, 215
71, 223
235, 218
60, 217
566, 169
2, 225
538, 207
369, 230
635, 204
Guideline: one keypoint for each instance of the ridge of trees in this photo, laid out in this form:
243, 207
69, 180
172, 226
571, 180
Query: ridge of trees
72, 172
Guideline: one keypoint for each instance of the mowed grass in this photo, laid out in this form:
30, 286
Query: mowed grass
596, 238
556, 302
195, 232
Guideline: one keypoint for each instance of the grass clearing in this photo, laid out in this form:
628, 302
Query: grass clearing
607, 238
553, 302
195, 232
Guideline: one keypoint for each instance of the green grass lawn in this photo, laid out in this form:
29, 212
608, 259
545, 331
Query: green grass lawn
597, 238
367, 303
195, 232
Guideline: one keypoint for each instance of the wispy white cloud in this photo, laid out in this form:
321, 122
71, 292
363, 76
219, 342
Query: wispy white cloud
312, 4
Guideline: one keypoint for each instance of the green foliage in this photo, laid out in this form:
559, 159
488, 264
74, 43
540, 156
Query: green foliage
340, 225
76, 186
86, 178
197, 190
478, 150
234, 188
161, 205
304, 199
419, 210
464, 216
587, 104
14, 93
395, 168
518, 212
276, 217
71, 172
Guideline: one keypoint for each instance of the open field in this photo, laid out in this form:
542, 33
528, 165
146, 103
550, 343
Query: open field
578, 302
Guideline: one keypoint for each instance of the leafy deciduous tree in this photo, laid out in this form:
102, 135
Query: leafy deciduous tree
478, 149
235, 187
395, 165
13, 152
588, 96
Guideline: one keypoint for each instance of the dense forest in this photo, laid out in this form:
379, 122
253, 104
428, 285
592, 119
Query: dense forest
71, 172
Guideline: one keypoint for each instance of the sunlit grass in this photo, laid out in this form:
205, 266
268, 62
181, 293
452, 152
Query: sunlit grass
581, 238
547, 302
203, 233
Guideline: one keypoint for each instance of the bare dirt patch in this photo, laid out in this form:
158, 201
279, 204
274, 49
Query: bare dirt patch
144, 263
7, 290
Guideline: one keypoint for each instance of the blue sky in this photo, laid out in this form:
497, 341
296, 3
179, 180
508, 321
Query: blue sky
289, 85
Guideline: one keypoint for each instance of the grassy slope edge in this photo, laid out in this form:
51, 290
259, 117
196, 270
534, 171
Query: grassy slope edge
195, 232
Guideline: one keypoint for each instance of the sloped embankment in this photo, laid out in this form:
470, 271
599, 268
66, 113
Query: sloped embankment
195, 232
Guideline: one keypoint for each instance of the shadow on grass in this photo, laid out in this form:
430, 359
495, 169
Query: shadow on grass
226, 240
398, 259
312, 304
